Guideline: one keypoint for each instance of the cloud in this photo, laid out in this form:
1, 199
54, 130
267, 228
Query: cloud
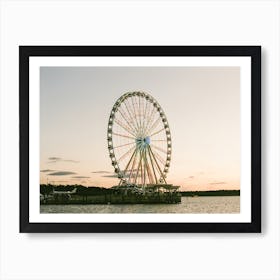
80, 177
54, 158
47, 170
110, 176
217, 183
57, 159
62, 173
101, 172
189, 178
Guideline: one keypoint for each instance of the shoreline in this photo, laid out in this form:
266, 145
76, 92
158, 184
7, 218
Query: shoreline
211, 193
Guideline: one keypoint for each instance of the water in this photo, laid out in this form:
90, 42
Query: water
203, 204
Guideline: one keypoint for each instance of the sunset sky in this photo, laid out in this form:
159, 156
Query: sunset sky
202, 105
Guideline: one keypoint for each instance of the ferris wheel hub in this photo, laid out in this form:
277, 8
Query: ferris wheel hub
147, 140
142, 143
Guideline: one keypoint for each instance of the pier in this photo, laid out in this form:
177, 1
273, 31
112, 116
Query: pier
156, 194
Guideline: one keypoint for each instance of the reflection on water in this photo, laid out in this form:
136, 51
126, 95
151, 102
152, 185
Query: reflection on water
203, 204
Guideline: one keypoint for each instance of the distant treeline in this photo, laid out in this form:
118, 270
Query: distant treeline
82, 190
212, 193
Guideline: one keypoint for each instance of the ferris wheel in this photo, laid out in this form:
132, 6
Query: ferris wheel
139, 140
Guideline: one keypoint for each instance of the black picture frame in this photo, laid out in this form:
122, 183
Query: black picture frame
25, 52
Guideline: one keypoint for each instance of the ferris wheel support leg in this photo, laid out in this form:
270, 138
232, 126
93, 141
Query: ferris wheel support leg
157, 165
147, 168
133, 164
141, 156
141, 171
156, 180
129, 161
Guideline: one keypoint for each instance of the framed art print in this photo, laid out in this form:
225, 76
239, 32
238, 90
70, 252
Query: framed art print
140, 138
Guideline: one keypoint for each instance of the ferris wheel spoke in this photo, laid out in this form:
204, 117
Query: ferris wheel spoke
149, 120
124, 127
124, 145
159, 140
126, 118
144, 117
143, 113
132, 119
149, 170
144, 108
132, 110
125, 154
152, 120
134, 105
153, 126
149, 115
159, 157
158, 132
139, 113
158, 148
122, 135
